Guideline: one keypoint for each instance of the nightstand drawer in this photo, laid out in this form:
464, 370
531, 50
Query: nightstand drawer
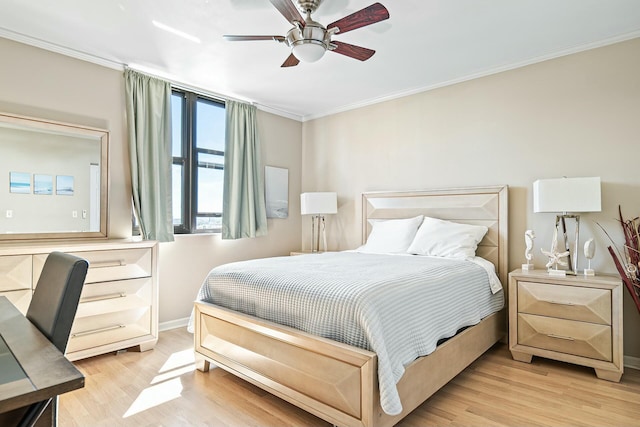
565, 336
565, 302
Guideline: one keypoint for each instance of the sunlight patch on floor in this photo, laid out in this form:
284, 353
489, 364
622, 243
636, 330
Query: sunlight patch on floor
172, 374
165, 386
178, 360
155, 395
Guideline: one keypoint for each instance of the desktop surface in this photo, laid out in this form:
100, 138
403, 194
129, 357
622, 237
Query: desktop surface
32, 368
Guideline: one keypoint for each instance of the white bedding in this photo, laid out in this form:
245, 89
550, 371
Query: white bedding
396, 306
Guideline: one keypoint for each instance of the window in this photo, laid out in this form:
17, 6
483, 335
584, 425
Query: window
198, 131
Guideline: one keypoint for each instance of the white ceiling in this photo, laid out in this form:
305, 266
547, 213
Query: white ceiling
424, 44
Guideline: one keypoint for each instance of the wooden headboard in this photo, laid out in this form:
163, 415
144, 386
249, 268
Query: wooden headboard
472, 205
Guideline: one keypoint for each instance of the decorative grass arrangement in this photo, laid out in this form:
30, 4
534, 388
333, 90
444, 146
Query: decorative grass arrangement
627, 261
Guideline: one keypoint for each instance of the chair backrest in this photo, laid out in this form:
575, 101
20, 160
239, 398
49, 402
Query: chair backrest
55, 300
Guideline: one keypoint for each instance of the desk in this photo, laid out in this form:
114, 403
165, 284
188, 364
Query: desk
35, 370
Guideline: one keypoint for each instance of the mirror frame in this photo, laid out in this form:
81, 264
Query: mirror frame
100, 135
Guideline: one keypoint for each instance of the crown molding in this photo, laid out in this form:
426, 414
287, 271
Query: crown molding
484, 73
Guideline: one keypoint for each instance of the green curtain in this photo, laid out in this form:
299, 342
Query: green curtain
148, 106
244, 212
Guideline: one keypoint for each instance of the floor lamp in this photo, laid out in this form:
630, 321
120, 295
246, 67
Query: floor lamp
567, 197
318, 204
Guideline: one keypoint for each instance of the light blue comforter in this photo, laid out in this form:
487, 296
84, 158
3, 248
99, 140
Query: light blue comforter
396, 306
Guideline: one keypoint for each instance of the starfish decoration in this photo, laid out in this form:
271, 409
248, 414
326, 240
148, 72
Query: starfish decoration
555, 257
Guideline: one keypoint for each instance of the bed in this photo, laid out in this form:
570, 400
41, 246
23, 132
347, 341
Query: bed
339, 382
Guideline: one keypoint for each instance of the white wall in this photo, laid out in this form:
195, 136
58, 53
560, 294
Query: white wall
574, 116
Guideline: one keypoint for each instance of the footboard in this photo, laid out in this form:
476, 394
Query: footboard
331, 380
334, 381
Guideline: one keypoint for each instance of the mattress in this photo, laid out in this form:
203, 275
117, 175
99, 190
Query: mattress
396, 306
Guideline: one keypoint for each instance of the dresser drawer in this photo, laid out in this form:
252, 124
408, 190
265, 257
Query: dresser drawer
565, 336
15, 272
119, 295
103, 329
565, 302
109, 265
21, 299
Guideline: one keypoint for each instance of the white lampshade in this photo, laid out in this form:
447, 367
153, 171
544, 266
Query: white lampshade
318, 203
567, 195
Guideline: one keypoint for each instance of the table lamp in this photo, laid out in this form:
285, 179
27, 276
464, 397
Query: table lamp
567, 197
318, 204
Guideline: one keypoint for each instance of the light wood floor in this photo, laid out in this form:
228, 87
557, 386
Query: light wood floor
161, 388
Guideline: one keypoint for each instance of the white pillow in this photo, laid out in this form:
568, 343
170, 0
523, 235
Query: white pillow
437, 237
391, 236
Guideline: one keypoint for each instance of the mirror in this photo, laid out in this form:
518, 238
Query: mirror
53, 179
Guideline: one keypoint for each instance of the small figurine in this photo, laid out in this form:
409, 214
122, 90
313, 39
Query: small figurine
555, 257
529, 236
589, 252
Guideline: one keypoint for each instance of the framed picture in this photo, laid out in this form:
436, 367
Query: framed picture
20, 182
276, 181
42, 184
64, 185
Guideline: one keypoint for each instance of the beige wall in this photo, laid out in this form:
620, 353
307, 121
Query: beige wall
39, 83
578, 115
43, 84
185, 263
574, 116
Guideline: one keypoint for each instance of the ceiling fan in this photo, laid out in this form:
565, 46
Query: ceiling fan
309, 40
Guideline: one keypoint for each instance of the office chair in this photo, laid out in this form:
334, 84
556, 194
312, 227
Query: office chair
53, 308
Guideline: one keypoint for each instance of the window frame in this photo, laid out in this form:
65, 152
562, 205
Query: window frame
190, 164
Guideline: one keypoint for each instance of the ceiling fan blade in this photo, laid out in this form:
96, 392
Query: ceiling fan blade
356, 52
250, 38
291, 61
367, 16
288, 10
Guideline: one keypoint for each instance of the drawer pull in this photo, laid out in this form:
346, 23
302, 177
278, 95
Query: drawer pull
104, 297
560, 337
105, 264
560, 303
95, 331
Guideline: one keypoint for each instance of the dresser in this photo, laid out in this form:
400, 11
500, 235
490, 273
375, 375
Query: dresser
119, 303
575, 319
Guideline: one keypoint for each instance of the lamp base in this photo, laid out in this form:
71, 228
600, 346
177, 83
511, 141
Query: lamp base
527, 267
589, 272
317, 228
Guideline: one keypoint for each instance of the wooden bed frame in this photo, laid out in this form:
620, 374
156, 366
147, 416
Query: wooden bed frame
338, 382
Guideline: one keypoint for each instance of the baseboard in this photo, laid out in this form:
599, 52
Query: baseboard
173, 324
632, 362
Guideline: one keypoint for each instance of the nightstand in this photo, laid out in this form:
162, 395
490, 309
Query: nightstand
575, 319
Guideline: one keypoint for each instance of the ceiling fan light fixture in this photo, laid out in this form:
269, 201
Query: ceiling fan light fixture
309, 40
308, 50
308, 43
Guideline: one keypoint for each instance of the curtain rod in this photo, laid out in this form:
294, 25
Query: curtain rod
185, 86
